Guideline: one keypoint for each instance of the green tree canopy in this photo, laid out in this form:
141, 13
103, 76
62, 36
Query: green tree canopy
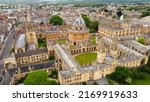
137, 74
94, 26
141, 40
54, 74
51, 57
119, 13
56, 20
144, 14
41, 23
122, 75
86, 20
42, 42
38, 77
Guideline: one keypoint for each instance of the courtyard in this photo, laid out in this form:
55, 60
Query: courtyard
62, 41
86, 58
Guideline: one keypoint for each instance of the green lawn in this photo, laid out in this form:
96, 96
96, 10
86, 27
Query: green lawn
62, 41
72, 46
145, 81
86, 58
93, 40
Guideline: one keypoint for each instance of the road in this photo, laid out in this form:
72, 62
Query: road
7, 45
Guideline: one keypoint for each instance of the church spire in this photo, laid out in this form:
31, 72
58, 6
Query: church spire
29, 21
28, 15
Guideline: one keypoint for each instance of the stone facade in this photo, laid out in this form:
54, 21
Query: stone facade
110, 55
32, 56
122, 29
79, 33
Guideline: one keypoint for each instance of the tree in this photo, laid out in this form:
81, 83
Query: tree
141, 40
42, 42
94, 26
86, 20
41, 23
144, 14
119, 14
83, 83
56, 20
40, 7
51, 57
122, 75
105, 10
38, 77
137, 74
11, 50
54, 74
146, 69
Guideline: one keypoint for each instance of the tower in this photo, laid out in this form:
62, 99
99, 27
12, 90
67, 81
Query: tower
101, 55
31, 36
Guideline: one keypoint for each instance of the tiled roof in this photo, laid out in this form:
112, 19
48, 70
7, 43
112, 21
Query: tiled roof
30, 53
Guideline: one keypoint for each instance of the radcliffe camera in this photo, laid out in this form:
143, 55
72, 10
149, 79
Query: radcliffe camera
74, 42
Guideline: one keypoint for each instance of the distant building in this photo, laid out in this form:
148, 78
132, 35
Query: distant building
126, 28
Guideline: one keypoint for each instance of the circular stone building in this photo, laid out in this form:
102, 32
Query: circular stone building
78, 34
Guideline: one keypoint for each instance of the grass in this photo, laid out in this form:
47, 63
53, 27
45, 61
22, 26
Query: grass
144, 81
72, 46
141, 40
62, 41
93, 40
86, 58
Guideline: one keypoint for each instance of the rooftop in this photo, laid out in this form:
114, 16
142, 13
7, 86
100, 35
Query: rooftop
68, 59
30, 53
140, 47
79, 22
38, 66
21, 41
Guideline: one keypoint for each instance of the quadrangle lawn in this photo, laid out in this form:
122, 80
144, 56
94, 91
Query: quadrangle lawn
86, 58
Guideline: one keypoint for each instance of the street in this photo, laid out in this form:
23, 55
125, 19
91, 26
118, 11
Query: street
7, 45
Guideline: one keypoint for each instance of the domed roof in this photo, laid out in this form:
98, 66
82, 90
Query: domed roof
79, 22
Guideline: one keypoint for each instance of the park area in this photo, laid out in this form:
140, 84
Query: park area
86, 58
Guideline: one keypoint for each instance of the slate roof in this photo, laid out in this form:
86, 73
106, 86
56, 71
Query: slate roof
21, 41
38, 66
30, 53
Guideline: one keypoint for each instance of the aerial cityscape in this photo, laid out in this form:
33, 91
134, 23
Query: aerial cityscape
75, 42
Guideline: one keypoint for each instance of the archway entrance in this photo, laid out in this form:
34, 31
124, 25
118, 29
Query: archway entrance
19, 50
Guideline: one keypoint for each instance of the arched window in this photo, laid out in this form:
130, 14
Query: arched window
19, 50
